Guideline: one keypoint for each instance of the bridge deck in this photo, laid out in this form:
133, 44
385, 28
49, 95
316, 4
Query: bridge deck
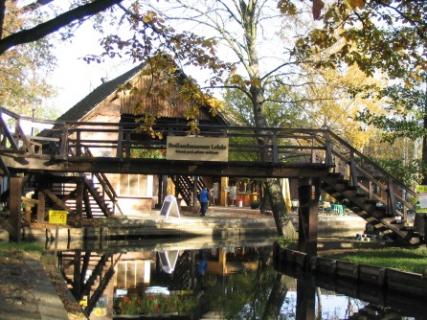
167, 167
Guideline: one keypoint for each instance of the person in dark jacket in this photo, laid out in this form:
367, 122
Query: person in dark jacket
204, 201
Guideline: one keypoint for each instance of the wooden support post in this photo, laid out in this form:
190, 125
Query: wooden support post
41, 207
309, 193
164, 187
306, 298
160, 194
194, 200
77, 289
79, 198
15, 202
223, 192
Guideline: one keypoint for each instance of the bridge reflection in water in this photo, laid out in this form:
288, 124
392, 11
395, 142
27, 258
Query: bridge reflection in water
216, 282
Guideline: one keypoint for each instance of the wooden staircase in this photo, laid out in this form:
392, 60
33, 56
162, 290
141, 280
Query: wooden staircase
368, 190
87, 274
64, 193
182, 277
185, 186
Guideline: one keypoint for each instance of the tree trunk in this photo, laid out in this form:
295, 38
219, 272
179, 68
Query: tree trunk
256, 89
275, 299
424, 150
2, 14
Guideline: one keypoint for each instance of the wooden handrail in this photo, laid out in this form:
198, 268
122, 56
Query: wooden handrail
280, 140
370, 161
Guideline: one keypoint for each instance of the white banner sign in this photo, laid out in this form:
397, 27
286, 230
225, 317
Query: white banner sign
197, 148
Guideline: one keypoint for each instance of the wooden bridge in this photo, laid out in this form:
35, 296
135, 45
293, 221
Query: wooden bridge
320, 159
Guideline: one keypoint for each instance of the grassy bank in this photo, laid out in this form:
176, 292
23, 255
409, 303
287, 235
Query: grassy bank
405, 259
8, 247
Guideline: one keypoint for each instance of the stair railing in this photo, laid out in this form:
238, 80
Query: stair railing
367, 175
107, 188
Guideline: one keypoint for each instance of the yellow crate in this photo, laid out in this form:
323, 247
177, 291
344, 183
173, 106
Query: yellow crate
58, 216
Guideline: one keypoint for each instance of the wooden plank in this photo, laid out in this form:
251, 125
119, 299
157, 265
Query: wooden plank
88, 207
61, 204
8, 134
41, 207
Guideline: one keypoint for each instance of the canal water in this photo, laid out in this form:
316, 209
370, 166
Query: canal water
209, 280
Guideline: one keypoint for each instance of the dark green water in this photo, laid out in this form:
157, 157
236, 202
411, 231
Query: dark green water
227, 280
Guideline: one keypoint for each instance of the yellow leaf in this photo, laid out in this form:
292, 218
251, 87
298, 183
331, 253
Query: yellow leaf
354, 4
148, 17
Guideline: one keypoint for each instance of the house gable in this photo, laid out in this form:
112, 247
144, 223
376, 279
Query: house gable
136, 93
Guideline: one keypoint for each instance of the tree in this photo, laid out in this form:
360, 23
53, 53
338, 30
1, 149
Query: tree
381, 36
22, 70
278, 112
238, 26
335, 99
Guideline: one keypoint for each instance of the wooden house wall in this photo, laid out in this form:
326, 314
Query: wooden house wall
164, 103
132, 189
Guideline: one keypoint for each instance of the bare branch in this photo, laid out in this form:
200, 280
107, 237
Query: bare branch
228, 9
229, 87
268, 74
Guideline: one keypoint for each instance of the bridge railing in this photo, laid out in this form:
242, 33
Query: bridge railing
68, 140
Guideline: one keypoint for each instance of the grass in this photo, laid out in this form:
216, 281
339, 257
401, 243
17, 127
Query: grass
405, 259
7, 247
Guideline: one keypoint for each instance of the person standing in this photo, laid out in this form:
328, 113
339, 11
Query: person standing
204, 201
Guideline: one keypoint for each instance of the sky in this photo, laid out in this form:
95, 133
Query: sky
73, 78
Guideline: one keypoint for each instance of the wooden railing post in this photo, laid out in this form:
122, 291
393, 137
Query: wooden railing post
313, 155
63, 149
353, 170
120, 142
78, 143
391, 197
275, 155
329, 150
404, 208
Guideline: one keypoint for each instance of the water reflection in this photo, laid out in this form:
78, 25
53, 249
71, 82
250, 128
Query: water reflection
217, 283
